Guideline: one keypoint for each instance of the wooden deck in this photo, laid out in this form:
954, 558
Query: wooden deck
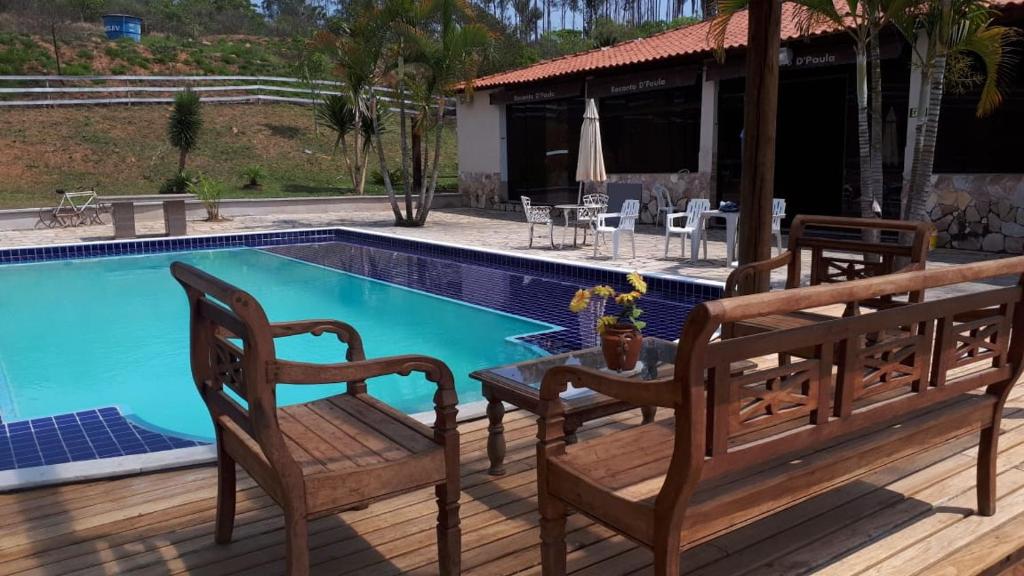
915, 517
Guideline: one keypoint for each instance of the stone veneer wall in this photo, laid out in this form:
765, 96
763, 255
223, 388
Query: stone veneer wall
681, 187
481, 189
979, 211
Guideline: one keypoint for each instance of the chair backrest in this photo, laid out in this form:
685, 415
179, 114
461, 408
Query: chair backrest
629, 214
694, 208
535, 214
778, 211
232, 348
663, 196
595, 200
890, 365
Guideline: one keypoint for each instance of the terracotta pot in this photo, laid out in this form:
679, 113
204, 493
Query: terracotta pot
621, 345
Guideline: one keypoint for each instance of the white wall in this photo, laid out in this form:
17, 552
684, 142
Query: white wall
479, 129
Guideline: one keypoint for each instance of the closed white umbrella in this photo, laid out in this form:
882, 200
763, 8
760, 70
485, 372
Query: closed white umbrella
590, 166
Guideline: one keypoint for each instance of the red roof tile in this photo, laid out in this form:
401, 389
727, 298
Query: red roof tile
682, 41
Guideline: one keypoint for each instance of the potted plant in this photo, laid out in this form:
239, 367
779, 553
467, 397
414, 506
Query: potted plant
621, 337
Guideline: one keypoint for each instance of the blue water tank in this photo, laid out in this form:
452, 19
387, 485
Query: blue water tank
123, 26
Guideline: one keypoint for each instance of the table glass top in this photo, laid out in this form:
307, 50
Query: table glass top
654, 355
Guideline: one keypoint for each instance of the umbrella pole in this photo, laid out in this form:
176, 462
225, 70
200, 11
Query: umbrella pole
579, 195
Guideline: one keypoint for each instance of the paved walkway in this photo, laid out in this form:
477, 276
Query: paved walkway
504, 231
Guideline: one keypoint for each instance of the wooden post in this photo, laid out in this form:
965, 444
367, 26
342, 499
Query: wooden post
760, 109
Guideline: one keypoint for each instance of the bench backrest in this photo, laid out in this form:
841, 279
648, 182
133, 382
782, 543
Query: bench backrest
866, 371
841, 259
232, 348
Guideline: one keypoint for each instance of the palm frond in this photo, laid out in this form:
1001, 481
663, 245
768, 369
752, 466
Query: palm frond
720, 24
994, 48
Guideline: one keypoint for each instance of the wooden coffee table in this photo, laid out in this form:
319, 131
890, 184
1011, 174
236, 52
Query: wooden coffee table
519, 385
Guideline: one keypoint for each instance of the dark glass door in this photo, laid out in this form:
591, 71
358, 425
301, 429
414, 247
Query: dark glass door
543, 142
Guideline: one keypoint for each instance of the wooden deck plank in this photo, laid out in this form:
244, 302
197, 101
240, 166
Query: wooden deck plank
909, 518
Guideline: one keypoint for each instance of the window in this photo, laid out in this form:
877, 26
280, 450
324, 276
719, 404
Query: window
651, 132
968, 144
543, 141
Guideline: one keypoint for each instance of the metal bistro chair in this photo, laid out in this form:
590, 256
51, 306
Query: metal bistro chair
694, 209
536, 215
586, 215
778, 213
627, 223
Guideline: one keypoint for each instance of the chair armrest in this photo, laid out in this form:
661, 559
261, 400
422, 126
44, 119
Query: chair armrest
345, 333
672, 216
603, 215
741, 273
436, 371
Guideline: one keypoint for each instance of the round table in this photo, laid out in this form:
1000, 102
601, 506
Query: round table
566, 209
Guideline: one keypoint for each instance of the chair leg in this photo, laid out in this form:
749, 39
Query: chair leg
449, 533
552, 537
529, 244
666, 556
597, 240
296, 541
667, 236
615, 245
632, 240
987, 449
225, 524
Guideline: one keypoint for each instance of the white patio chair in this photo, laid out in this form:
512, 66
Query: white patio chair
778, 213
536, 215
694, 208
627, 222
664, 203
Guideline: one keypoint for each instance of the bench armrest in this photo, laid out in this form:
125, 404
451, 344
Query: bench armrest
655, 392
738, 276
345, 333
436, 371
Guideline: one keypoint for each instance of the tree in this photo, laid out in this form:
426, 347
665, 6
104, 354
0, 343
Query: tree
435, 46
955, 31
185, 122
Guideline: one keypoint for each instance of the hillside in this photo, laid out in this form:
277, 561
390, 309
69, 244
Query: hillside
123, 150
84, 50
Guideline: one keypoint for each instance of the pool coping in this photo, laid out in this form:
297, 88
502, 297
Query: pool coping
53, 474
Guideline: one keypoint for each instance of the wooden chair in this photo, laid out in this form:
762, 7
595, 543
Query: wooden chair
320, 457
743, 446
834, 259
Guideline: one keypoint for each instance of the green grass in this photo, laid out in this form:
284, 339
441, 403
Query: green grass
123, 150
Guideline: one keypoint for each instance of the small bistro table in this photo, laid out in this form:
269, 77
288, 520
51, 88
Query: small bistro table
567, 210
519, 385
123, 212
731, 222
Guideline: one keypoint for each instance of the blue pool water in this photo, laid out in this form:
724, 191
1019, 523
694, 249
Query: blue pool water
113, 332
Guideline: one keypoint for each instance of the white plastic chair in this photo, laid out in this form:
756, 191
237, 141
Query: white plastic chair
627, 222
536, 215
694, 208
778, 213
664, 203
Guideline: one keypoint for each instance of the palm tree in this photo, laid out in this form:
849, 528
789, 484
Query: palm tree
184, 124
954, 29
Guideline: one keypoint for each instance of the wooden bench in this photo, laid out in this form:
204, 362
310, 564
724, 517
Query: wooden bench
320, 457
838, 253
740, 447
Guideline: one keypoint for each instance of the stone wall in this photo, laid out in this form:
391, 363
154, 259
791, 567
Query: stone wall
481, 189
681, 187
979, 211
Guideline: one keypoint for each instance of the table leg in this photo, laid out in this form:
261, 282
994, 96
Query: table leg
495, 436
648, 413
730, 240
570, 432
123, 215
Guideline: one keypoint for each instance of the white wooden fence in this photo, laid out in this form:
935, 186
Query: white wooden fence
52, 90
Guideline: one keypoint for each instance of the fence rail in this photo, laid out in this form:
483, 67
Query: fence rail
254, 89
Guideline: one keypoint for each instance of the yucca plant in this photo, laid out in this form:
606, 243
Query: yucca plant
253, 175
185, 122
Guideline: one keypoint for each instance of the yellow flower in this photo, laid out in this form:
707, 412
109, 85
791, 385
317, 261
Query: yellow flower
627, 298
603, 322
603, 291
580, 301
637, 282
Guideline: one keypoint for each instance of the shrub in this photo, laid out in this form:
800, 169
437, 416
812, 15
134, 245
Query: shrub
209, 192
180, 183
184, 124
378, 179
253, 175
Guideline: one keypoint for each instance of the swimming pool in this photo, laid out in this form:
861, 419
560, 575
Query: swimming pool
93, 352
